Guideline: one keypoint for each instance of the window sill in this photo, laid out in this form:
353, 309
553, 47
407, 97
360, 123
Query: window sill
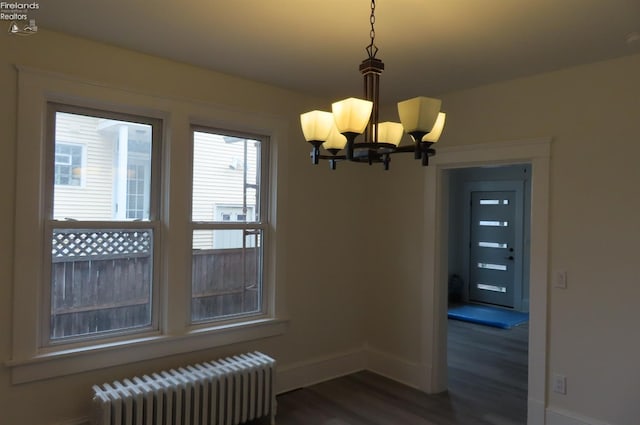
69, 361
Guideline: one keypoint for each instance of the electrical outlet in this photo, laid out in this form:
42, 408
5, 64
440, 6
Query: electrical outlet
560, 384
560, 280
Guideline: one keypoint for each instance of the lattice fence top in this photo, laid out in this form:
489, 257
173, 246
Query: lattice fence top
89, 243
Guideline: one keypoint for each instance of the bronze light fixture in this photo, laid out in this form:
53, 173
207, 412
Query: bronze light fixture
336, 131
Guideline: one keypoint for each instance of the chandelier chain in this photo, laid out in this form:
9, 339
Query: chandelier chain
372, 49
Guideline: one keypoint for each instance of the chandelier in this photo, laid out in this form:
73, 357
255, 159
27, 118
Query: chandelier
336, 131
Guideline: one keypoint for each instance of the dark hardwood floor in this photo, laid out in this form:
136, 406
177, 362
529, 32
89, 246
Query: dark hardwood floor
487, 386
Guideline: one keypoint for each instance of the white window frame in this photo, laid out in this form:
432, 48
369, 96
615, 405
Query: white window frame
30, 361
50, 224
260, 217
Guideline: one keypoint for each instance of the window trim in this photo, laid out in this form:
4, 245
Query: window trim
153, 222
261, 219
51, 364
29, 361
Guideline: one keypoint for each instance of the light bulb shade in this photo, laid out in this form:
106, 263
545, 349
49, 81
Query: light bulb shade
352, 115
436, 131
335, 140
390, 132
419, 113
316, 125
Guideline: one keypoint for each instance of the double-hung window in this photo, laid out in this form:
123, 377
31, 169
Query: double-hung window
139, 233
228, 224
101, 236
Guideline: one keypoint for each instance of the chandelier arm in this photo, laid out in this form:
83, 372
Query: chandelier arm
425, 159
404, 149
386, 159
350, 142
315, 151
333, 157
410, 148
424, 152
374, 146
424, 148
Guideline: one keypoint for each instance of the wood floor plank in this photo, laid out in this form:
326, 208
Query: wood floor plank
487, 386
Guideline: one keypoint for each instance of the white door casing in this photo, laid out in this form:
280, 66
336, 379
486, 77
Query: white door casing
433, 320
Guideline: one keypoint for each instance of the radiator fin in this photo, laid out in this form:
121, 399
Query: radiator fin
228, 391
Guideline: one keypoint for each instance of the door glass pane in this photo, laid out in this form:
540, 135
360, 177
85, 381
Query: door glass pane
493, 288
484, 244
494, 202
490, 266
493, 223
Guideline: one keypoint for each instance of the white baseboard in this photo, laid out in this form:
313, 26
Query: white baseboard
309, 372
535, 412
563, 417
319, 369
395, 368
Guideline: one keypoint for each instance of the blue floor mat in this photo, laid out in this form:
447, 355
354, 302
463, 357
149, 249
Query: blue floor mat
490, 316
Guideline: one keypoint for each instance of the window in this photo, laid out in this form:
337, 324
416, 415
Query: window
228, 225
68, 164
78, 247
102, 236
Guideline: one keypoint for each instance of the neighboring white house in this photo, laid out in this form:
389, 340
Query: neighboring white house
106, 165
224, 187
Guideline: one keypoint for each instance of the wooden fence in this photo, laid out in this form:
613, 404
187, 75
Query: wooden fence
109, 292
97, 295
225, 282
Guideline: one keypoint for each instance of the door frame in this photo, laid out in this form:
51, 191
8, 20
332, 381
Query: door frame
433, 320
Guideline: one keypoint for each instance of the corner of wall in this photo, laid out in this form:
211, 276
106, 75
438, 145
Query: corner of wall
319, 369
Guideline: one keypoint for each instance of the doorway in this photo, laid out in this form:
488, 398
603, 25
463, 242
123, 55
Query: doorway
489, 236
488, 256
438, 213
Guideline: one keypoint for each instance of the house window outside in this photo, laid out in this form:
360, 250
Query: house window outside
68, 164
229, 225
232, 238
101, 262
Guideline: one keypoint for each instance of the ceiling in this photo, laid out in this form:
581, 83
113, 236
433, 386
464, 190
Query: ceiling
429, 47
